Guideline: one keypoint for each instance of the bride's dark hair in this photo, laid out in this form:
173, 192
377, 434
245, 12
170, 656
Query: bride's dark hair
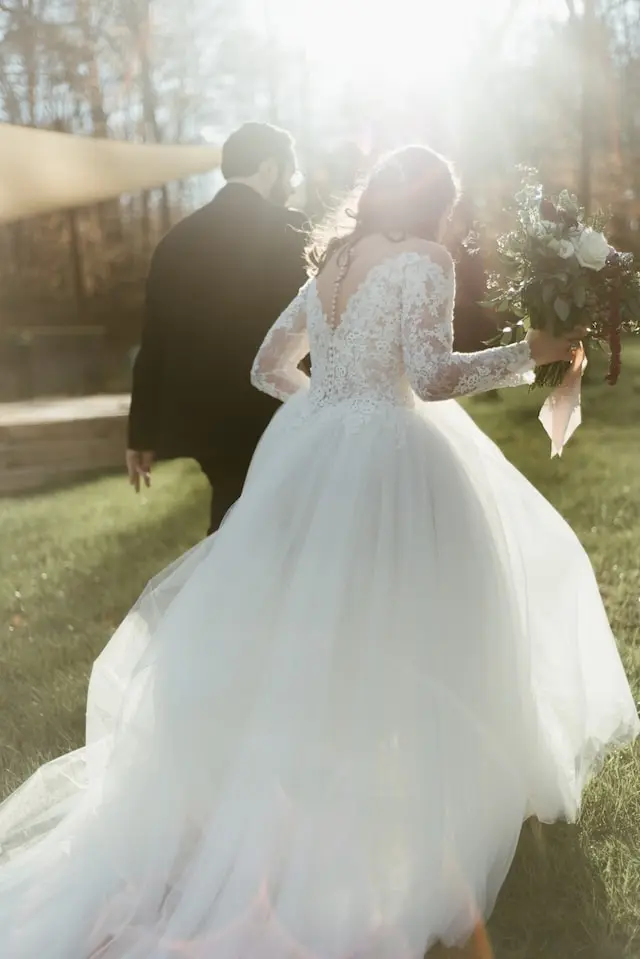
407, 194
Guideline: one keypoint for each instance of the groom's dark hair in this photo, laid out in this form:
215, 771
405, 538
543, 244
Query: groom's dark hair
251, 145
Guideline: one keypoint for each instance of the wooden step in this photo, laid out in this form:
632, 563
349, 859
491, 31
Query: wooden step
44, 444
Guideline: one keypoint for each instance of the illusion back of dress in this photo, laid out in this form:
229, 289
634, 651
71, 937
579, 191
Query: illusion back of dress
386, 337
354, 323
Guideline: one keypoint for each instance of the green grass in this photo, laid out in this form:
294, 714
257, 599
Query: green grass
73, 561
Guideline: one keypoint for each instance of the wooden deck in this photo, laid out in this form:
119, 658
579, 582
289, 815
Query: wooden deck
45, 442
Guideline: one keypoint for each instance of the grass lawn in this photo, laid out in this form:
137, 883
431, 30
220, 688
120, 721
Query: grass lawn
72, 562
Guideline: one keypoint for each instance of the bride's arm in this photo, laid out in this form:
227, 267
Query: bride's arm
434, 370
275, 369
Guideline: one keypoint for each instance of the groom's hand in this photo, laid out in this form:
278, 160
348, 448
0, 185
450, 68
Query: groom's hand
139, 465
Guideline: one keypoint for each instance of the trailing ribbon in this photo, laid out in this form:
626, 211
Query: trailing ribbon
561, 414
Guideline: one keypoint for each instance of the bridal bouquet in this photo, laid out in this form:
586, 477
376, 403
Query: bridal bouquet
556, 271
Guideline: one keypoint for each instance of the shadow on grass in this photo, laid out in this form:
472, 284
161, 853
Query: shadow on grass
65, 483
81, 479
553, 904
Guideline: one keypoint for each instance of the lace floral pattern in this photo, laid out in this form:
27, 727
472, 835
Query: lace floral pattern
275, 369
394, 340
434, 370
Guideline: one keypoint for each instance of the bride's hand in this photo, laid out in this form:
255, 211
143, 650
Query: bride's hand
546, 348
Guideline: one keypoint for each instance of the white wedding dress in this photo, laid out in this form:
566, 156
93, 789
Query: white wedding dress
318, 734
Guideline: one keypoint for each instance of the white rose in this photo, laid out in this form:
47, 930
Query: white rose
591, 248
564, 248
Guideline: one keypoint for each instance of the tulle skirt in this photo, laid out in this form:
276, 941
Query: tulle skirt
319, 732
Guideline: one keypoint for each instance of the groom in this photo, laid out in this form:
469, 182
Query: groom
217, 282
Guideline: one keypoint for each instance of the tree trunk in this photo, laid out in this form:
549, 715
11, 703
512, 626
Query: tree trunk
272, 58
589, 72
152, 128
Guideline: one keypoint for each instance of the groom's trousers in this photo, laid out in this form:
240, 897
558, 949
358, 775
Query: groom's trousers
226, 476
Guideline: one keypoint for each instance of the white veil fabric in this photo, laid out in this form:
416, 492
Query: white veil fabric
318, 733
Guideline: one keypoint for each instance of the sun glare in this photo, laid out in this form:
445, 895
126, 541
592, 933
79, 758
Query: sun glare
391, 45
383, 43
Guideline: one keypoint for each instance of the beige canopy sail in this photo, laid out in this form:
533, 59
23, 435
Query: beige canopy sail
42, 171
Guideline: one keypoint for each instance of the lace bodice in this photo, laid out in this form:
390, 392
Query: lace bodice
394, 340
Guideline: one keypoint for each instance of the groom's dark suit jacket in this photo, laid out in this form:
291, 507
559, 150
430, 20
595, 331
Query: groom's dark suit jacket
217, 282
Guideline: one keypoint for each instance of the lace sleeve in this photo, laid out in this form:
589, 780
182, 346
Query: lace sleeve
275, 369
434, 370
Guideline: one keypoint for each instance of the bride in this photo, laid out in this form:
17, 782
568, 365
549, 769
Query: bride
319, 732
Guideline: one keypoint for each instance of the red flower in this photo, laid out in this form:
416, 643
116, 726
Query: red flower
548, 211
